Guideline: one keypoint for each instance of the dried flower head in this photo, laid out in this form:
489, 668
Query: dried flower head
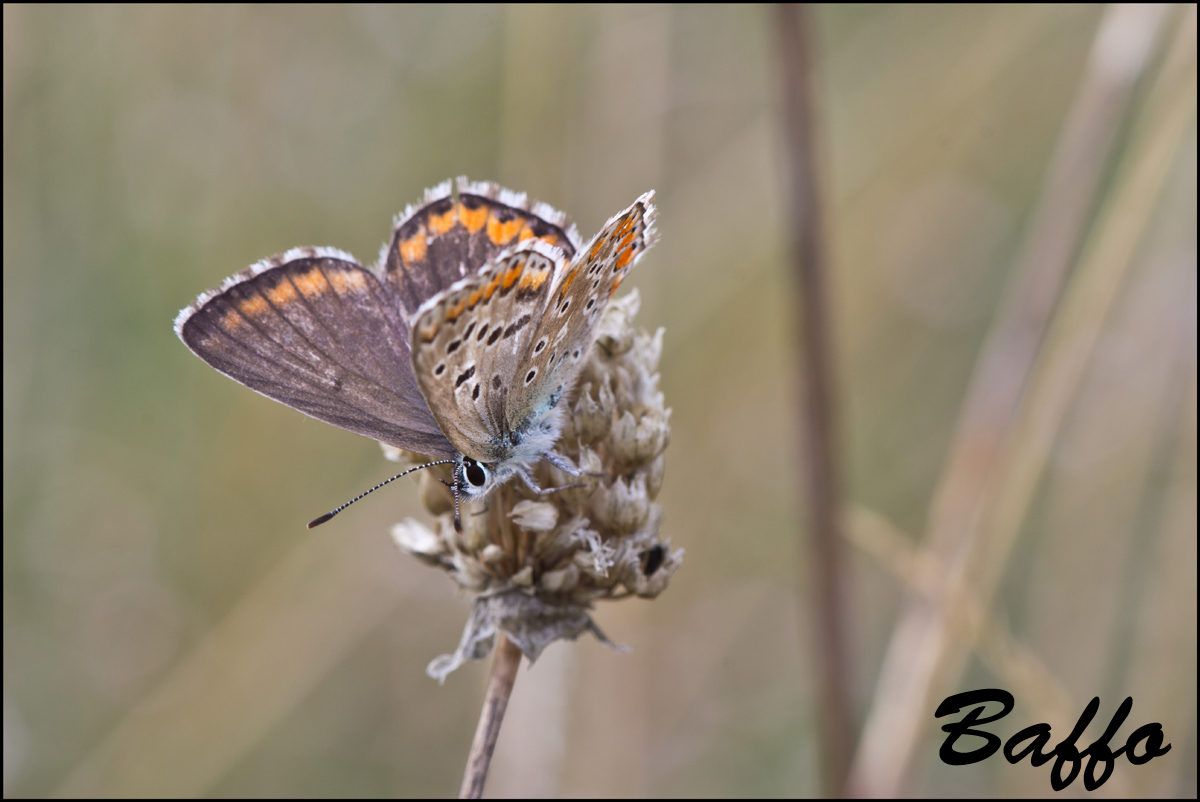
538, 563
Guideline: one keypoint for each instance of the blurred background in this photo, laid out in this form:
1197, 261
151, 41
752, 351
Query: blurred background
171, 628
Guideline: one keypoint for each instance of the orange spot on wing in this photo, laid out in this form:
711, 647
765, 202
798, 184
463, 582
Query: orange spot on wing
501, 233
231, 321
491, 287
441, 223
254, 306
413, 249
512, 274
616, 283
282, 295
475, 296
568, 279
452, 314
624, 258
428, 331
473, 219
348, 281
311, 283
533, 280
525, 233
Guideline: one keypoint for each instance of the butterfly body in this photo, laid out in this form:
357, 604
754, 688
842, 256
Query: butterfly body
459, 344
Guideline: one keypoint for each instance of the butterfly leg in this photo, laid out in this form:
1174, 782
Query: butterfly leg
562, 463
565, 465
532, 484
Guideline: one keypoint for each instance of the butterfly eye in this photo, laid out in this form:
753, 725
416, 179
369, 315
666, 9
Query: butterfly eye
475, 473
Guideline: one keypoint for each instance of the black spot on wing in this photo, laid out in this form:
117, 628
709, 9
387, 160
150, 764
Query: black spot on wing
515, 327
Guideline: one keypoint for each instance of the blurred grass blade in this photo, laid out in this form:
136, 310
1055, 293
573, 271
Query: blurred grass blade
254, 667
1019, 668
1014, 406
1165, 662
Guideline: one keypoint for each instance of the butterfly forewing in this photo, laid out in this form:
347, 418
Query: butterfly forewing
470, 343
559, 343
320, 333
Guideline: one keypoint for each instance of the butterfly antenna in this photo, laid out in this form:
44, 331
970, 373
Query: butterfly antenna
457, 517
454, 489
322, 519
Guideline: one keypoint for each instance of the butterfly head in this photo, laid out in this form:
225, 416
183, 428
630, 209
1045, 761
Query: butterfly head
475, 479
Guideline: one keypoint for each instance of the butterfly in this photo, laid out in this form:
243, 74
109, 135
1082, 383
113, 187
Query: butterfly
458, 345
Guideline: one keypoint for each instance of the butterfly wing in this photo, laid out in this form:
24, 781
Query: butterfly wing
469, 343
450, 238
559, 344
320, 333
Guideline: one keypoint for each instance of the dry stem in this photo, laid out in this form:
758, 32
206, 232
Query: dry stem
504, 673
818, 422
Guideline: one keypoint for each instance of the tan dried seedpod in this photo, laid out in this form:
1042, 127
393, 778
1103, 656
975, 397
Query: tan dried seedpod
592, 418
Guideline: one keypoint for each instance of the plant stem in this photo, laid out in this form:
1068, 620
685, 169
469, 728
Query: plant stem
504, 673
817, 418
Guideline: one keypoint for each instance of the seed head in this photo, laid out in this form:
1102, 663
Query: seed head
539, 563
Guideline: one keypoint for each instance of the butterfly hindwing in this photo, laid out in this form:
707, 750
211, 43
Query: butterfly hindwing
559, 344
448, 238
317, 331
470, 341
